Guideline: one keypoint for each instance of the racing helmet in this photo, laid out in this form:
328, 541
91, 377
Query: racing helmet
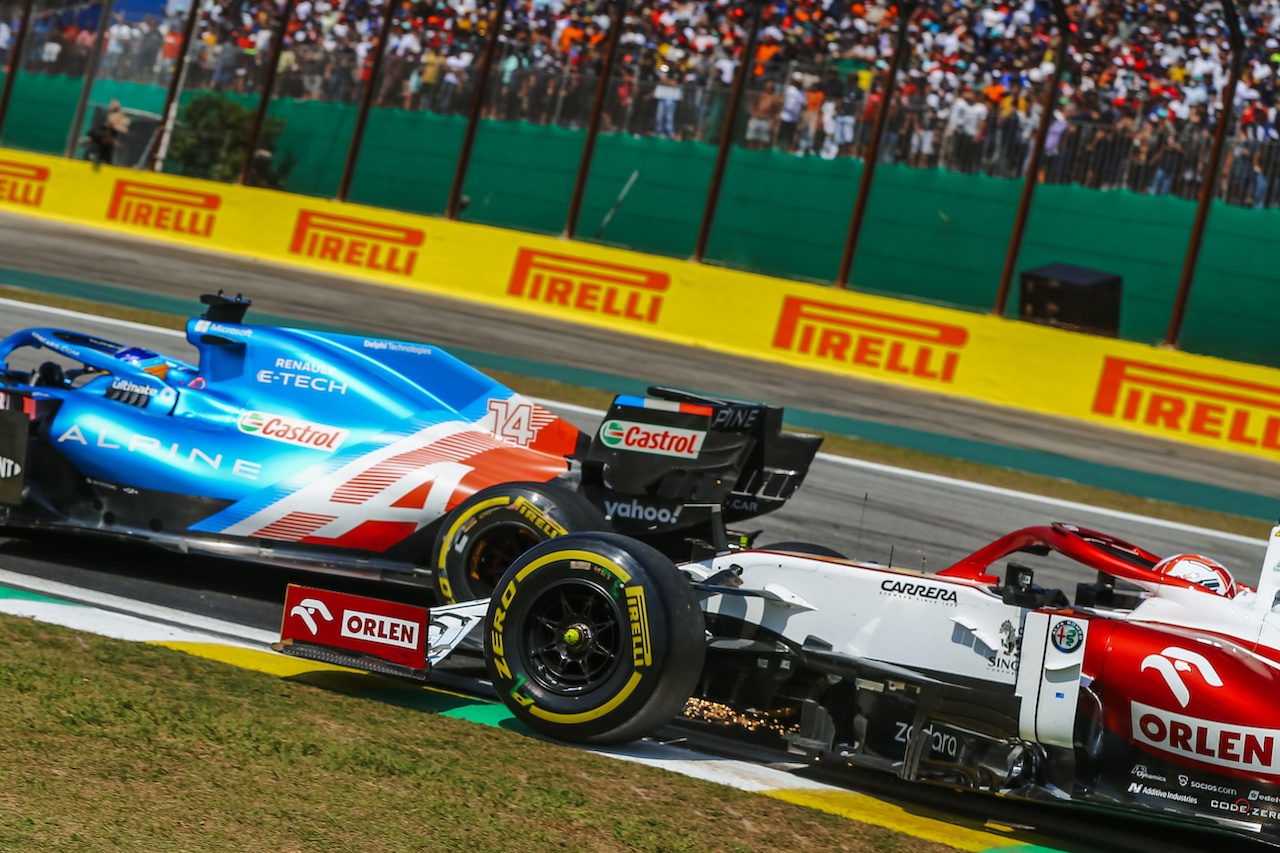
1202, 571
150, 362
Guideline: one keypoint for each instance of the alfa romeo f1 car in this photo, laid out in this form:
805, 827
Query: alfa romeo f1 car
360, 456
1152, 687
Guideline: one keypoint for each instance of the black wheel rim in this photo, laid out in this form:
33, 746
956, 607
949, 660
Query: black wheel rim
573, 637
493, 552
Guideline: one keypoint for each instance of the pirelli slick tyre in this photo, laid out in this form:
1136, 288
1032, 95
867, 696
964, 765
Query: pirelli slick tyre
594, 638
485, 534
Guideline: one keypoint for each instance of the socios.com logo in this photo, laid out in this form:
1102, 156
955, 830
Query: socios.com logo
613, 433
251, 422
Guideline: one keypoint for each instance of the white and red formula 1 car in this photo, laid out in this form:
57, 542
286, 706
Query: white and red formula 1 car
1153, 688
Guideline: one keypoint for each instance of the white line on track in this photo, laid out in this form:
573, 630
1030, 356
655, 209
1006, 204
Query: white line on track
79, 315
904, 473
938, 479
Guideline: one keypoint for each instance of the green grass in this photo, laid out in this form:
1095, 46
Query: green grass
117, 746
837, 444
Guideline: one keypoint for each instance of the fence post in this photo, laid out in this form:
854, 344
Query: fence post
726, 133
15, 55
90, 77
1030, 179
453, 210
1208, 187
906, 11
593, 123
366, 102
169, 114
268, 86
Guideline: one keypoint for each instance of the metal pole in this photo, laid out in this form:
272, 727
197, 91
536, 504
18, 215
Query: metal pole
268, 86
366, 102
1209, 186
169, 113
726, 134
1031, 178
15, 53
90, 77
593, 123
453, 209
905, 12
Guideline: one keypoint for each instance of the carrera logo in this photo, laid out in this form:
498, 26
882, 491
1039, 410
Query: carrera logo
9, 468
918, 590
1238, 414
1207, 741
164, 208
647, 438
889, 343
383, 630
22, 184
289, 430
356, 242
596, 287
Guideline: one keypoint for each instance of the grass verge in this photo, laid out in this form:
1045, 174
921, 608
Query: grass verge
117, 746
841, 445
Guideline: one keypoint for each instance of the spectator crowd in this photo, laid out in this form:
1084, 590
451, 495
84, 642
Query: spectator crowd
1139, 96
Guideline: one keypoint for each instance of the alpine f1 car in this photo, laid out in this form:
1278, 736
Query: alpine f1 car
360, 456
1151, 688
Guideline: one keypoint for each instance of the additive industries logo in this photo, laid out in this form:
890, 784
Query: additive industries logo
648, 438
162, 208
356, 242
862, 339
22, 184
1067, 636
9, 468
293, 431
1237, 414
596, 287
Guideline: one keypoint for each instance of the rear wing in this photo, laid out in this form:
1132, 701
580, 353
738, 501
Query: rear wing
676, 449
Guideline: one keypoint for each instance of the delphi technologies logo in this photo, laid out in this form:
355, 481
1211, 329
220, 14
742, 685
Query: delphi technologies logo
649, 438
293, 431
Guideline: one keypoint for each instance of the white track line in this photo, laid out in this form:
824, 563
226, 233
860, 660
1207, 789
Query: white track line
80, 315
904, 473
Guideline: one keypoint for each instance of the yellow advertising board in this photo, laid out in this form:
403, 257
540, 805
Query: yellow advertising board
1175, 395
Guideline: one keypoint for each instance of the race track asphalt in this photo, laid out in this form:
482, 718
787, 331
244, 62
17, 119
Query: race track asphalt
84, 255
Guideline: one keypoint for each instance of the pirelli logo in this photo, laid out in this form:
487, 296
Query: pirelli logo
890, 343
22, 184
595, 287
1182, 402
162, 208
356, 242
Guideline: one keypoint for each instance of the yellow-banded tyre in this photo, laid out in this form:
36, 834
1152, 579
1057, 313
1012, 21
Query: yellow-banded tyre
485, 534
594, 638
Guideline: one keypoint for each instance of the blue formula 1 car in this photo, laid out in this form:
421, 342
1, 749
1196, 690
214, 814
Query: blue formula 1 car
361, 456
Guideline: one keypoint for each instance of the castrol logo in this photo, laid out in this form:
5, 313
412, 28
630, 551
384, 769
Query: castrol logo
293, 431
650, 438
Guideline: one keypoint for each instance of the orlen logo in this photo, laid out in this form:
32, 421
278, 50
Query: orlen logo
630, 293
648, 438
1237, 414
889, 343
385, 630
1208, 741
356, 242
22, 184
164, 208
299, 433
1174, 660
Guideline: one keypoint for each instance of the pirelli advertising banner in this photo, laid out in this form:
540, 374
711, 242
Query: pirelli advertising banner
1174, 395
